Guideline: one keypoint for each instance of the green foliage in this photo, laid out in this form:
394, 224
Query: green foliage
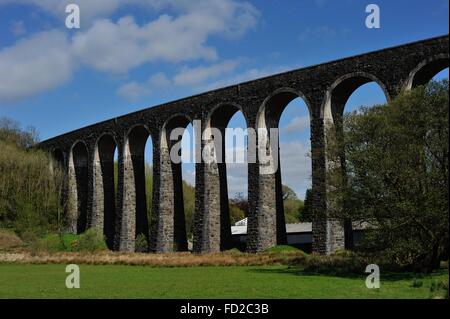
236, 214
51, 243
91, 241
281, 249
417, 283
31, 184
396, 163
141, 244
189, 207
288, 193
70, 242
306, 211
292, 207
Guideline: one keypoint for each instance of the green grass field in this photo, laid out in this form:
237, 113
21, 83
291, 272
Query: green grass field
48, 281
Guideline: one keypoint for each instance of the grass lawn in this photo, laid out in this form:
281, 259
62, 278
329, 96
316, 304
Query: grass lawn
114, 281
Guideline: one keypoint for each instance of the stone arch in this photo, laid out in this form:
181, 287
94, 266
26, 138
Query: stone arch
134, 220
340, 91
216, 178
268, 116
270, 207
426, 70
175, 121
78, 183
104, 206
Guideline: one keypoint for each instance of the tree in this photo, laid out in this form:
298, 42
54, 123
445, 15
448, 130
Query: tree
305, 213
288, 193
396, 159
31, 183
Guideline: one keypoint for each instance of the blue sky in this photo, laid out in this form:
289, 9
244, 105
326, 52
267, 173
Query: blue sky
131, 54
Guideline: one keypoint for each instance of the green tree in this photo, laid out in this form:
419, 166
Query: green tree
305, 212
292, 205
396, 159
31, 183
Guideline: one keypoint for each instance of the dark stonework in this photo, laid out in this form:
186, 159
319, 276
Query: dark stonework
325, 89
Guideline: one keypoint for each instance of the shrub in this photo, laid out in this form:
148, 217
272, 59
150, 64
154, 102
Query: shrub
141, 244
51, 243
417, 283
281, 249
8, 239
340, 263
70, 242
91, 241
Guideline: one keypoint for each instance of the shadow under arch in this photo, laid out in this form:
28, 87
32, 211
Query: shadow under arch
58, 156
426, 70
105, 195
215, 128
79, 161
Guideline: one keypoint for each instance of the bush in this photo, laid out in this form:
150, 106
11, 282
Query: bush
282, 249
91, 241
51, 243
335, 264
141, 244
417, 283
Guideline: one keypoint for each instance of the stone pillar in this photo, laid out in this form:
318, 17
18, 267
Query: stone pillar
212, 230
133, 211
98, 205
266, 222
168, 227
328, 232
103, 210
72, 197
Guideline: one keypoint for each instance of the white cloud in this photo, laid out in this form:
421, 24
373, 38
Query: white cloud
119, 46
187, 77
198, 75
33, 65
296, 166
132, 91
122, 45
247, 75
297, 124
159, 80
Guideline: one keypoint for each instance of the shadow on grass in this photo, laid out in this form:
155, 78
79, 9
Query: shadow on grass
387, 276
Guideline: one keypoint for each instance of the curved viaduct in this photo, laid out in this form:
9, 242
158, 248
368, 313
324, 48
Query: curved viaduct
87, 155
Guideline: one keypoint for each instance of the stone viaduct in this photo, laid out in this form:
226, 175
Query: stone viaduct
87, 155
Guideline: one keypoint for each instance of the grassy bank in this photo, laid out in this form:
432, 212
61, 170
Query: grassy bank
107, 281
